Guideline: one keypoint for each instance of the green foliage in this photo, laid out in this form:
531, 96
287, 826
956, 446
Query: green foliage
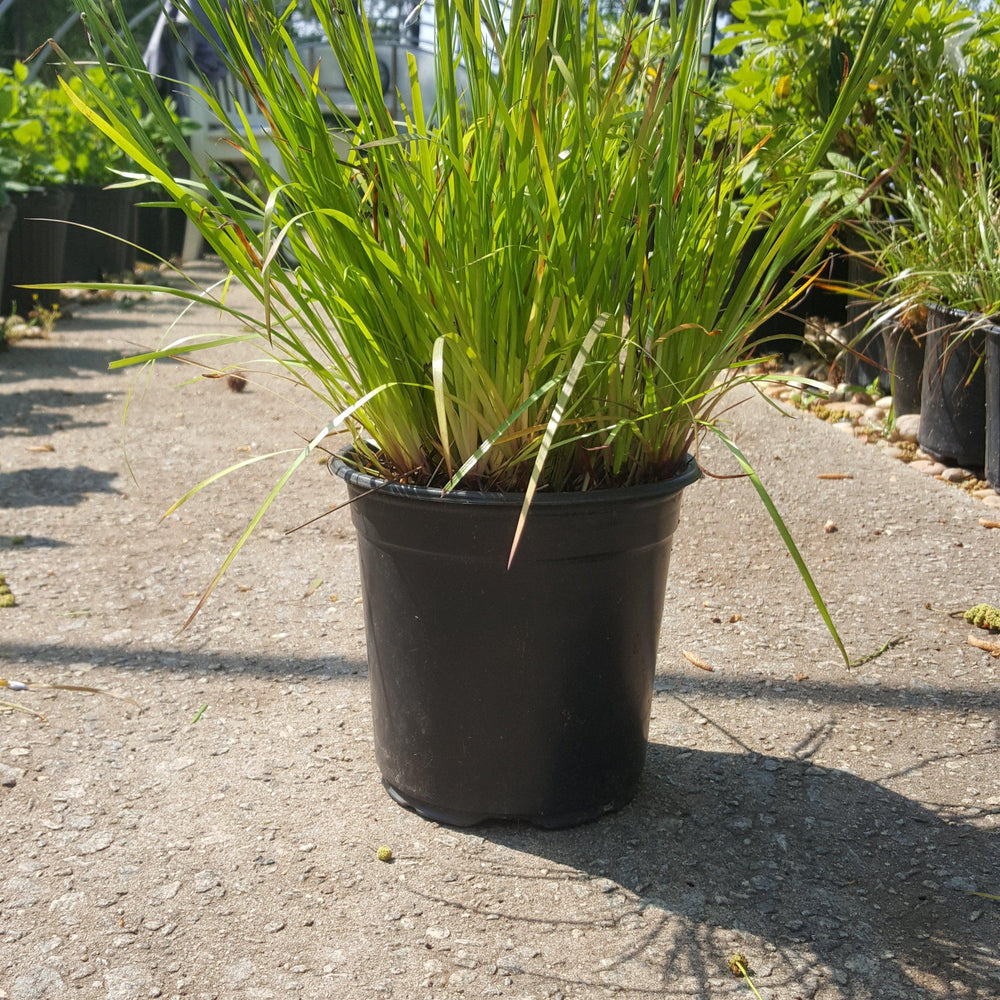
944, 149
549, 279
479, 271
793, 60
45, 140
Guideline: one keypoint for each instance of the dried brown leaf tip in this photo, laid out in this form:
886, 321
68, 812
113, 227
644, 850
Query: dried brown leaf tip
697, 661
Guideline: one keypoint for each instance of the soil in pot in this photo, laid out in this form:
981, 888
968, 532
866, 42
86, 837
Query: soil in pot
522, 693
953, 398
35, 248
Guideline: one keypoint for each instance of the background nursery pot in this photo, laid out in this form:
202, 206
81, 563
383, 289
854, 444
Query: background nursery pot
521, 693
102, 220
8, 213
992, 334
953, 399
904, 354
36, 246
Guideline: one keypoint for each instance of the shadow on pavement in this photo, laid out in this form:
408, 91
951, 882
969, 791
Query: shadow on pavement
60, 486
179, 660
880, 695
42, 411
850, 886
30, 541
49, 359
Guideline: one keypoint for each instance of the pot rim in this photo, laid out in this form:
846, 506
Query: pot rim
688, 473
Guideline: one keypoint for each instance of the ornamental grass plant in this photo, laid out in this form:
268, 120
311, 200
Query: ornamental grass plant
945, 247
548, 279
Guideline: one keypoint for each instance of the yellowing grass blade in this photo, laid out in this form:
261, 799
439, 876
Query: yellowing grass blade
565, 392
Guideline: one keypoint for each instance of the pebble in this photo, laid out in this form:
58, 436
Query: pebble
928, 466
897, 453
206, 880
10, 776
993, 501
884, 403
874, 415
98, 842
906, 428
274, 926
956, 475
40, 982
169, 890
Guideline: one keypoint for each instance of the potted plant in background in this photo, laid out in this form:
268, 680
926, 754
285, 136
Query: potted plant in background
524, 304
944, 254
38, 188
789, 69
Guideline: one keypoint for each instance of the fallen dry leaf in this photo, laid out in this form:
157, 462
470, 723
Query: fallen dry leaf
989, 524
697, 661
40, 447
835, 475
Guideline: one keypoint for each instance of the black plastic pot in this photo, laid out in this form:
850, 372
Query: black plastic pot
903, 348
159, 231
521, 693
36, 246
992, 471
865, 362
93, 255
953, 398
8, 213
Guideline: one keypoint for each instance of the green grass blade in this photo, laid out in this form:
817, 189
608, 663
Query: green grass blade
786, 537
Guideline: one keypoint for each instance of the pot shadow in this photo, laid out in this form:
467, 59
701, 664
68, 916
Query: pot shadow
873, 891
179, 661
49, 359
30, 541
58, 486
40, 412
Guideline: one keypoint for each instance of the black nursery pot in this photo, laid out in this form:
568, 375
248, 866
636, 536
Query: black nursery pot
93, 255
521, 693
953, 397
992, 473
904, 357
36, 246
8, 213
